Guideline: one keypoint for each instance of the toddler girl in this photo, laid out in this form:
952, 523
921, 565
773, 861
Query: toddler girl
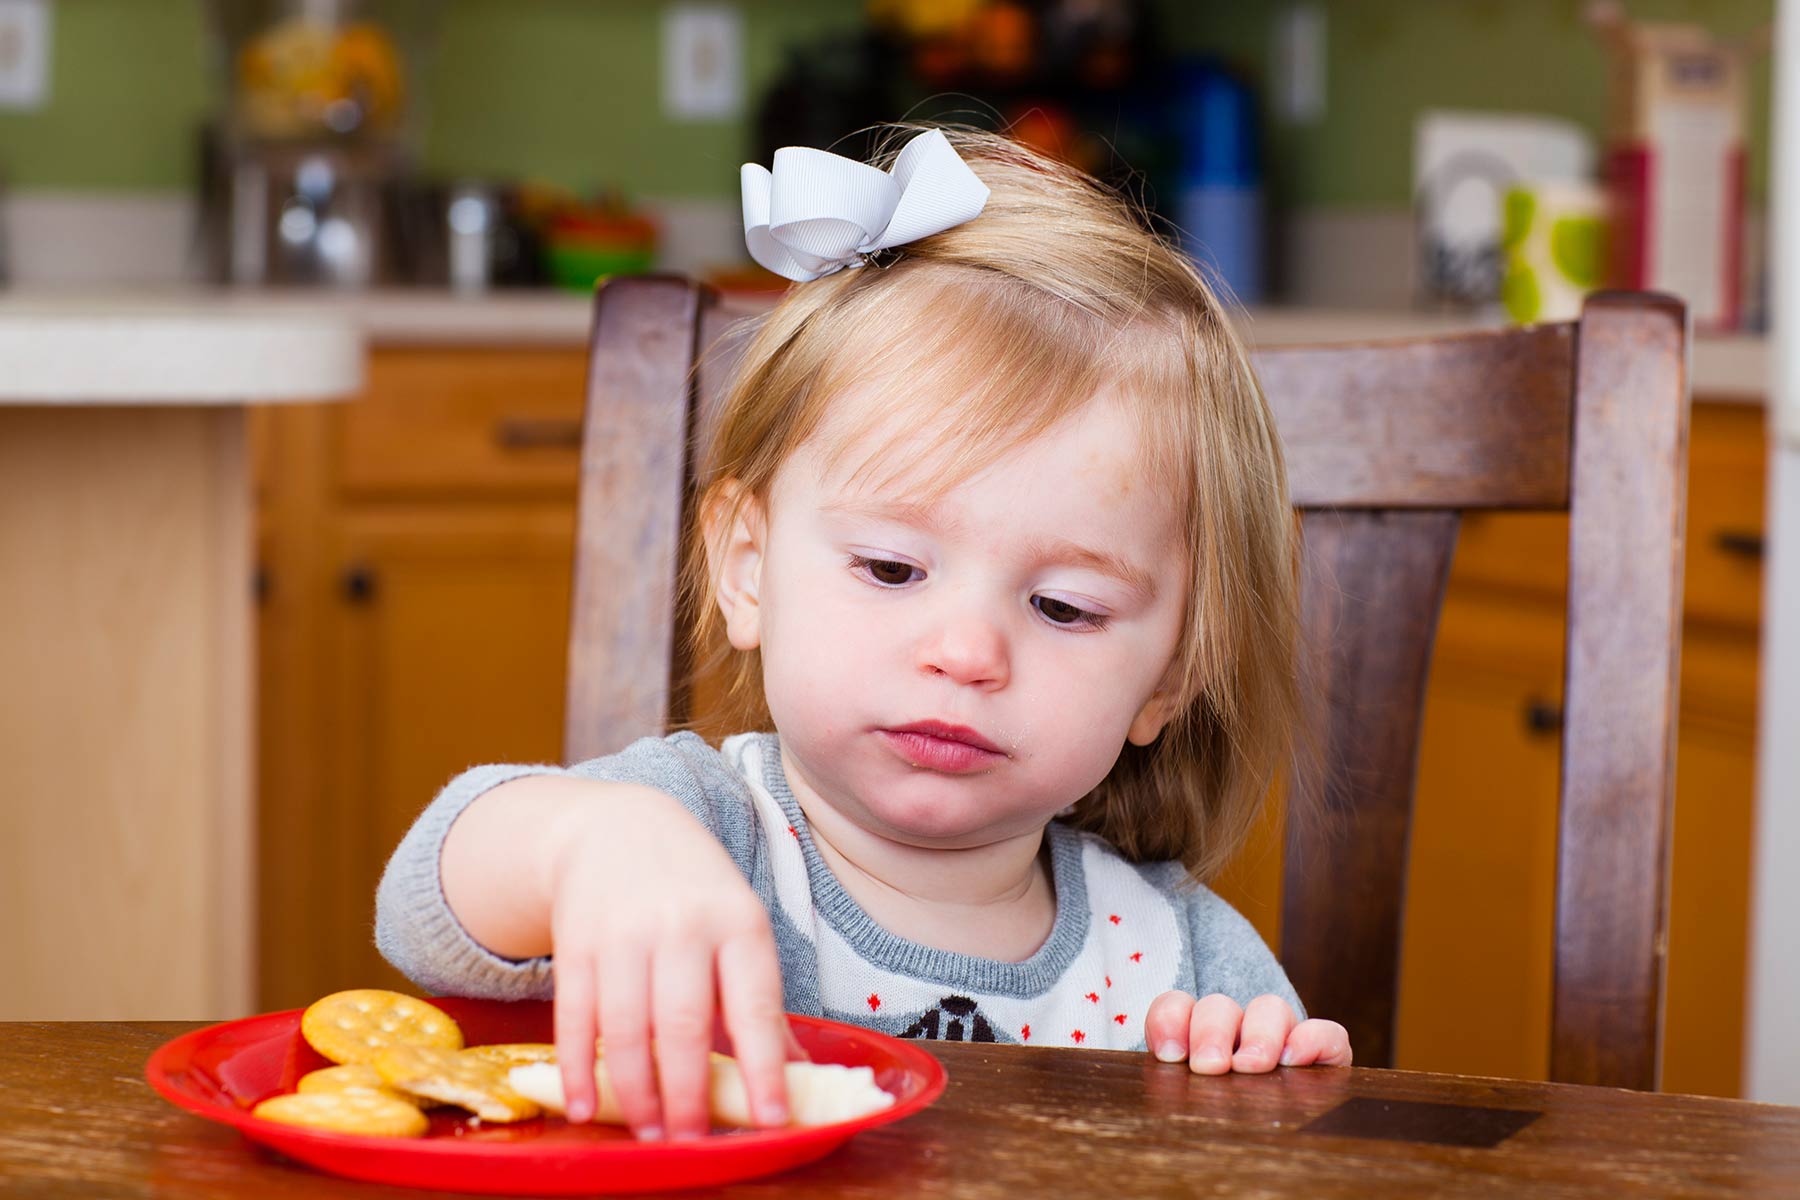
996, 524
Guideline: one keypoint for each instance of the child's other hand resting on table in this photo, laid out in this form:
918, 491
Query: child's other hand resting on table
1215, 1036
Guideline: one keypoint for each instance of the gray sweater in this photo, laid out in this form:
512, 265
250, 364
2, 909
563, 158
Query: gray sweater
1124, 933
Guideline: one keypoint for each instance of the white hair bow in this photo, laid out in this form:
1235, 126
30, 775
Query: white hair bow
819, 212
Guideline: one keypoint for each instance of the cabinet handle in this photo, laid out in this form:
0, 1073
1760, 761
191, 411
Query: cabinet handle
1541, 716
358, 583
1744, 543
529, 433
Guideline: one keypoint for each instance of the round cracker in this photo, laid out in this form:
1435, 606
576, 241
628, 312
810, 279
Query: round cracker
455, 1078
356, 1077
368, 1113
355, 1026
513, 1054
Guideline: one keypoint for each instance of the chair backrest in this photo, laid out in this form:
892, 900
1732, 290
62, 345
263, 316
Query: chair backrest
1386, 444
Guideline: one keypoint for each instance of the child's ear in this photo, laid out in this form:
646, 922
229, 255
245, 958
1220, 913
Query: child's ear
1151, 718
735, 531
1157, 712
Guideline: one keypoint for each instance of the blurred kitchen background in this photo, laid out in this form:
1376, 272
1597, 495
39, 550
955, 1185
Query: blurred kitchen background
449, 178
420, 142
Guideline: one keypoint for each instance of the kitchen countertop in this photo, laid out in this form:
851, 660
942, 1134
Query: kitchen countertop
114, 348
260, 333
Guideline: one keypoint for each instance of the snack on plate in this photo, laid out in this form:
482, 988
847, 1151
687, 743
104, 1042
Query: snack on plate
513, 1054
454, 1077
367, 1113
355, 1026
818, 1093
356, 1077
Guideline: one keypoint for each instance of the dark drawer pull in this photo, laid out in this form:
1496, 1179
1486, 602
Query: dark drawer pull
358, 584
1541, 716
526, 433
1741, 542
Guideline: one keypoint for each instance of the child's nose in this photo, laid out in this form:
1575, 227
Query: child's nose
967, 648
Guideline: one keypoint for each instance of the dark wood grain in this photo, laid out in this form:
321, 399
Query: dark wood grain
1371, 593
78, 1120
1478, 420
635, 461
1387, 443
1626, 524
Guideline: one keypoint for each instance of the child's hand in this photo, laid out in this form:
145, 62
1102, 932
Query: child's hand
1216, 1036
649, 920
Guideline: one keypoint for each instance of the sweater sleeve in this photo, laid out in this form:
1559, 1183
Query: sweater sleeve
416, 930
1229, 955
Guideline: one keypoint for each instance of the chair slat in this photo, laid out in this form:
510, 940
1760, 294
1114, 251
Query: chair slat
1474, 421
635, 461
1624, 634
1373, 586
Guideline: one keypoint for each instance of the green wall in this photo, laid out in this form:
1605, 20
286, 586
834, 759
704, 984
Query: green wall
563, 90
1388, 59
566, 90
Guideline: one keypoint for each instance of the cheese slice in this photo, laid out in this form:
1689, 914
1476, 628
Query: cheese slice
818, 1093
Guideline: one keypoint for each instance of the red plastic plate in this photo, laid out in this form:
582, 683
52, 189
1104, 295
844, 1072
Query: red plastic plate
222, 1071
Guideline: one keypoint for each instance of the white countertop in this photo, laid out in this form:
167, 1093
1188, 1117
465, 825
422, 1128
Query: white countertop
168, 350
253, 344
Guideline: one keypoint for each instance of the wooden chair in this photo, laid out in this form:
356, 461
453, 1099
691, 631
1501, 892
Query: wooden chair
1387, 443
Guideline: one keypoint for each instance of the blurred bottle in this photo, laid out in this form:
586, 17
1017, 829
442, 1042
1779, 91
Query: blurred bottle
1219, 196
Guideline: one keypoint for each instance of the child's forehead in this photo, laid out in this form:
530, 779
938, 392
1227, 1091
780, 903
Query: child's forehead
904, 451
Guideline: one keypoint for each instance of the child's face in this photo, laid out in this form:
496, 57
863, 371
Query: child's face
1033, 610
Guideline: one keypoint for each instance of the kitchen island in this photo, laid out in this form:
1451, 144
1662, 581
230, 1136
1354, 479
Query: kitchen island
127, 721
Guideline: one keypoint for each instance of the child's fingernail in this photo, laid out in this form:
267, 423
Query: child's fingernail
773, 1115
1287, 1057
1171, 1051
1211, 1057
650, 1133
578, 1113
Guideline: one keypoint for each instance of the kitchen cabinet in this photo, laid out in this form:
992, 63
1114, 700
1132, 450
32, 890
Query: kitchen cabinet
416, 568
416, 564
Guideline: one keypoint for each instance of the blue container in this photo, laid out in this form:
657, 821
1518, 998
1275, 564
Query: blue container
1219, 202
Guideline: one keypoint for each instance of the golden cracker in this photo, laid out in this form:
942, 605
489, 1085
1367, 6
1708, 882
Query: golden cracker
454, 1078
355, 1026
368, 1113
513, 1054
356, 1077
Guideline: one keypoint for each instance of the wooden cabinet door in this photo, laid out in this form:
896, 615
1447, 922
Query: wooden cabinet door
444, 644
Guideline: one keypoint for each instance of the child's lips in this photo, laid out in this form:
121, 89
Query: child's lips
936, 746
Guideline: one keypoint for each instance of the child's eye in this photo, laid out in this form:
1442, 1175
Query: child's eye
1061, 612
885, 571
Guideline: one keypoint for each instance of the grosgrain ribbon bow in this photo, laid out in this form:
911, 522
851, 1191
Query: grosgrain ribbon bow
818, 212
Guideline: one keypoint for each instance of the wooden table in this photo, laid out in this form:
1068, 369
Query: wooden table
1018, 1123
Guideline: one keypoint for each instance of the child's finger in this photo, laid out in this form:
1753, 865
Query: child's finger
625, 1029
574, 1019
681, 992
1166, 1026
1267, 1022
761, 1038
1317, 1043
1212, 1034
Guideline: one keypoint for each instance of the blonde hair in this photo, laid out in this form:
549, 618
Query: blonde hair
1015, 320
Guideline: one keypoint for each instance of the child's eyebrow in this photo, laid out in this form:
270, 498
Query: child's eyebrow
906, 512
1134, 577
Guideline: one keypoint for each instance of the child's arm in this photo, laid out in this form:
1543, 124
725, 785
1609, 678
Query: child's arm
1215, 1035
646, 915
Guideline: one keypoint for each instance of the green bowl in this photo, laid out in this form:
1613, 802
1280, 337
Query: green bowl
583, 267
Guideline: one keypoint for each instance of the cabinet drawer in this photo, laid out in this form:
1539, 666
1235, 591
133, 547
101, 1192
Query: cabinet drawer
481, 421
1727, 460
